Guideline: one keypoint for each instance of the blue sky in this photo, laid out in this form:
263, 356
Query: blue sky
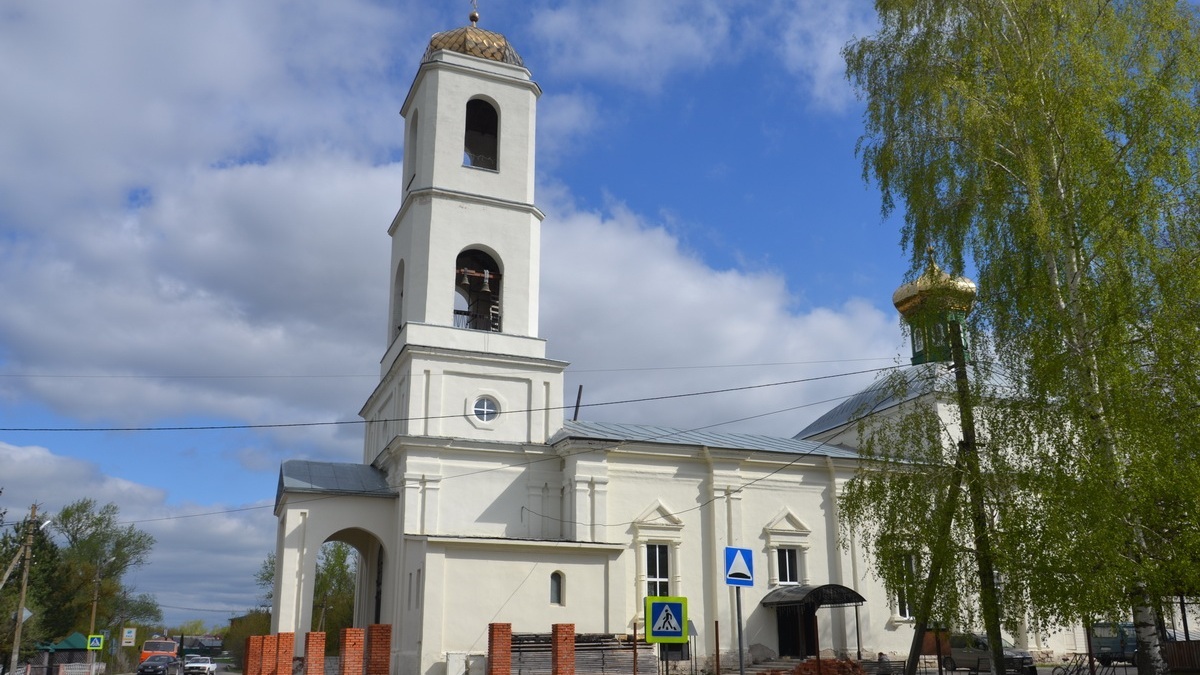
194, 201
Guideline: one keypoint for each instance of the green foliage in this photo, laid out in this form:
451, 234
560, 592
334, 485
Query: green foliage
256, 622
333, 593
96, 554
64, 579
264, 578
190, 628
1055, 146
333, 597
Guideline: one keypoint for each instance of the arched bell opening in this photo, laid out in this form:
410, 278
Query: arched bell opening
477, 302
481, 139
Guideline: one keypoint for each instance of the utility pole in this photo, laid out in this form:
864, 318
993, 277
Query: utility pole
100, 565
28, 545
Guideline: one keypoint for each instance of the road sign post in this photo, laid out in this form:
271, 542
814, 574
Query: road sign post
739, 573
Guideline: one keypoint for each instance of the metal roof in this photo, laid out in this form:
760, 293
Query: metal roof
828, 595
882, 394
301, 475
643, 433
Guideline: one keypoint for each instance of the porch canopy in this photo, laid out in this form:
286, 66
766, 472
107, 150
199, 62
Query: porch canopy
803, 601
828, 595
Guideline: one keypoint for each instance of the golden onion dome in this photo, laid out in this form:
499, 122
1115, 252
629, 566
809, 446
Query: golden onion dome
475, 41
935, 289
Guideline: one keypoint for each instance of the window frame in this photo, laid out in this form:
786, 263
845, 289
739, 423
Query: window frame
658, 555
558, 586
787, 562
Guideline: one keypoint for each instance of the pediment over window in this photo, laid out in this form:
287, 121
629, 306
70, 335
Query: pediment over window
658, 522
787, 529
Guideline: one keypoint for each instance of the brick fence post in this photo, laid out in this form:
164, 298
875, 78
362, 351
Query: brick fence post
285, 648
499, 649
352, 651
379, 649
562, 649
253, 656
314, 654
270, 657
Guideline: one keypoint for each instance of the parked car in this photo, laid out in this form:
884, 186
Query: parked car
970, 651
159, 664
1112, 642
200, 665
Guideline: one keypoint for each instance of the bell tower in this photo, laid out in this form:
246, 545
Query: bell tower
463, 357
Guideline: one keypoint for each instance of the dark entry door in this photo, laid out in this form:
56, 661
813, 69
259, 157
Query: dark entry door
787, 620
808, 629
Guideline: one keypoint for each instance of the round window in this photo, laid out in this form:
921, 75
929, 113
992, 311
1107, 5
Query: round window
486, 409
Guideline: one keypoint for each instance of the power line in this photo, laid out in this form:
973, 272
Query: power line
293, 425
554, 457
284, 376
201, 609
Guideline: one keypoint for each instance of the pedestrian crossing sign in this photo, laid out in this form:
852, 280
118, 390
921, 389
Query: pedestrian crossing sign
666, 619
95, 643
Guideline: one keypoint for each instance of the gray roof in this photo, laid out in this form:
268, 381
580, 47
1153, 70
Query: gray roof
346, 478
643, 433
882, 394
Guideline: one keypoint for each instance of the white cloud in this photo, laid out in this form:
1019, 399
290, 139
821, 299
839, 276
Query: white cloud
638, 44
638, 316
248, 271
565, 122
99, 97
203, 562
810, 38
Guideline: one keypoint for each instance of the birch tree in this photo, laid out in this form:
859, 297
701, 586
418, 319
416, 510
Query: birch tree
1054, 146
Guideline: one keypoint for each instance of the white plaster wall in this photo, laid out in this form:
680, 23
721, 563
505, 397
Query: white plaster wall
638, 483
444, 86
471, 583
478, 496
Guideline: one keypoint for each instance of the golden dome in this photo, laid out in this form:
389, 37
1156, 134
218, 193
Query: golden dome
475, 41
937, 288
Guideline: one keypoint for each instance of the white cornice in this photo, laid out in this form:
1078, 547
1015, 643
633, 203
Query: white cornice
459, 196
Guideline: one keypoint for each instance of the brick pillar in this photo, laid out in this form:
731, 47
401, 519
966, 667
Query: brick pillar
270, 658
562, 649
314, 654
285, 649
499, 649
379, 649
352, 651
253, 658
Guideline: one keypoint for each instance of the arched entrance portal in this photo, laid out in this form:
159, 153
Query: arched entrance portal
796, 615
347, 590
358, 508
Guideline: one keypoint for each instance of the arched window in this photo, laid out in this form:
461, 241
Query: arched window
410, 151
477, 305
480, 144
397, 301
556, 589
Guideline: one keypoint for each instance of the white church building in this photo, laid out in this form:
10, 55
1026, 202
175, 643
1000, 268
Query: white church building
475, 502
